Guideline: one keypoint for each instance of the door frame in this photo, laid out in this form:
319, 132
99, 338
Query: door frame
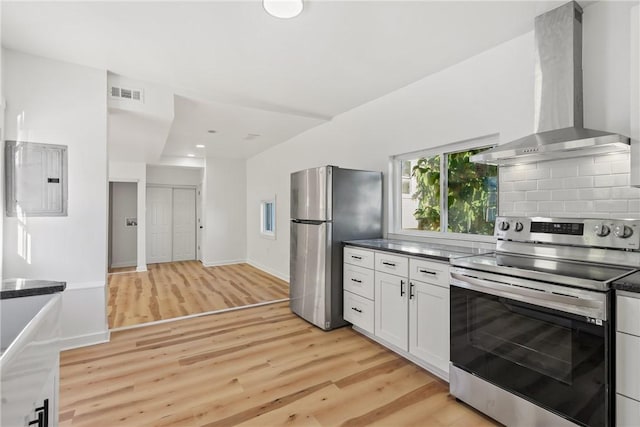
141, 242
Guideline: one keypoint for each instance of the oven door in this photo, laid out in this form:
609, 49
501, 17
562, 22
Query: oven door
553, 358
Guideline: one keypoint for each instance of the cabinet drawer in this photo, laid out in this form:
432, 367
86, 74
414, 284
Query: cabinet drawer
627, 412
393, 264
359, 257
358, 280
628, 315
436, 273
358, 311
627, 366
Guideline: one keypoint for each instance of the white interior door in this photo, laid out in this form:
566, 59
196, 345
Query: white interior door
159, 224
184, 224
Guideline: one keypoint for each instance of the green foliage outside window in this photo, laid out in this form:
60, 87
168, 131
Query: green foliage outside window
471, 194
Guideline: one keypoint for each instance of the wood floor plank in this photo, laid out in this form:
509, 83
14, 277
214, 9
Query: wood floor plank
260, 366
175, 289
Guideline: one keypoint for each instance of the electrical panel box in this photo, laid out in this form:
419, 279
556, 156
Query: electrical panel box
36, 179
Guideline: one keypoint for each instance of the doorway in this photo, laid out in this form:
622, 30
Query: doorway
123, 226
171, 224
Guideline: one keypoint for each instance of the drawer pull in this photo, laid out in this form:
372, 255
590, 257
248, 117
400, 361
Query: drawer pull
422, 270
356, 280
356, 309
402, 292
356, 257
390, 264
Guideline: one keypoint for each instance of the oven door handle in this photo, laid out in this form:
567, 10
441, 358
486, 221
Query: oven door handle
569, 304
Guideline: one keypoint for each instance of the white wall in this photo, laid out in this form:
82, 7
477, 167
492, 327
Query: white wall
169, 175
135, 172
634, 95
224, 236
60, 103
491, 93
124, 197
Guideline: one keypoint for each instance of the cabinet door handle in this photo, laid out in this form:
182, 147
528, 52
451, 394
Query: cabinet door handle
356, 280
411, 288
422, 270
402, 292
356, 257
43, 415
356, 309
390, 264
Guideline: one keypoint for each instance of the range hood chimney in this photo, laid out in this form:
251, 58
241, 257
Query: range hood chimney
558, 99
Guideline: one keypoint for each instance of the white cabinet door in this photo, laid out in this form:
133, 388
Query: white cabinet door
184, 224
429, 324
627, 412
391, 309
159, 224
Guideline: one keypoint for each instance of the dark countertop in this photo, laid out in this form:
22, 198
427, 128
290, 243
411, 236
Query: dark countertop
425, 250
630, 283
15, 288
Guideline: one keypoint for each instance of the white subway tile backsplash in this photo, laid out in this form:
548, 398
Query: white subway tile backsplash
611, 205
596, 186
618, 180
578, 182
561, 195
594, 193
549, 184
525, 185
538, 195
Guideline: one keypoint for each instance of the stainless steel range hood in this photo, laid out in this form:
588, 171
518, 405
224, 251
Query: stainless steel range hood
558, 99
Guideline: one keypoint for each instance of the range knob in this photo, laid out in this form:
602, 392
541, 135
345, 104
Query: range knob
504, 225
519, 226
602, 230
623, 231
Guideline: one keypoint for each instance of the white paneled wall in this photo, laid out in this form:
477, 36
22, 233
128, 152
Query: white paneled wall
596, 186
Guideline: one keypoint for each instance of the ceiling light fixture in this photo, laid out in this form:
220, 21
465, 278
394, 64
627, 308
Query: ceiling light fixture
284, 9
199, 146
191, 155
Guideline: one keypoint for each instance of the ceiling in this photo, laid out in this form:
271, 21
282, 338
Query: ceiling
239, 71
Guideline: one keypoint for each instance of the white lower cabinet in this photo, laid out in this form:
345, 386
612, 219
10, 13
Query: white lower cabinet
429, 323
359, 311
392, 309
627, 357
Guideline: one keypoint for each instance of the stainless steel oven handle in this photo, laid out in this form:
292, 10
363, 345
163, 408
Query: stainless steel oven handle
591, 308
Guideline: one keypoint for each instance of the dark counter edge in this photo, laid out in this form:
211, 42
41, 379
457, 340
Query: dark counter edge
415, 254
626, 286
30, 292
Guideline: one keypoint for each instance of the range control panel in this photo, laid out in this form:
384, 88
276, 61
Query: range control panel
603, 233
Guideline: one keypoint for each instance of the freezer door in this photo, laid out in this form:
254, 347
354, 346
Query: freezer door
311, 194
310, 267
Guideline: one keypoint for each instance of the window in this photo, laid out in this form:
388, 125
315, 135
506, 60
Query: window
268, 218
442, 191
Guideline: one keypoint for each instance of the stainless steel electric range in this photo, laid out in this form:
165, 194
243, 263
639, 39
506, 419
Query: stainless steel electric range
532, 325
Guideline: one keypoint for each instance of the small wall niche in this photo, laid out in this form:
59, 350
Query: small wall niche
36, 179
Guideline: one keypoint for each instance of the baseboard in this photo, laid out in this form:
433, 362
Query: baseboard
226, 262
271, 271
123, 264
84, 285
84, 340
141, 268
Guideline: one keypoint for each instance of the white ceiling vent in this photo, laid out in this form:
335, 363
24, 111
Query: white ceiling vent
126, 93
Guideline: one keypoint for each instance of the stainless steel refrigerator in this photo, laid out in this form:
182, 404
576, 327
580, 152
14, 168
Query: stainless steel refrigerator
328, 206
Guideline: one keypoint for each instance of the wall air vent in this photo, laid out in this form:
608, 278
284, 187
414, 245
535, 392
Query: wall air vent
126, 93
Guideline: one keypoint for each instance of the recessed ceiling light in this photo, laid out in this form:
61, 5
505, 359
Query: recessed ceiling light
283, 8
212, 131
191, 155
199, 146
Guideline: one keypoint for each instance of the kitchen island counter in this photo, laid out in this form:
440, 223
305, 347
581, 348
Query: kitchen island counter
15, 288
433, 251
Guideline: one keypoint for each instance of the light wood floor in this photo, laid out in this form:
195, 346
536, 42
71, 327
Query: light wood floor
175, 289
259, 366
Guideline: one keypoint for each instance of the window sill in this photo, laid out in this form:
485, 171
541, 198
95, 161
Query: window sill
436, 236
269, 236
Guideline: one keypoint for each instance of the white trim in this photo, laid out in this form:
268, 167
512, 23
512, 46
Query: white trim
141, 268
191, 316
123, 264
224, 262
123, 180
84, 285
84, 340
271, 271
184, 187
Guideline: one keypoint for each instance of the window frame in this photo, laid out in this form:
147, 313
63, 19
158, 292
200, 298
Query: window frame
268, 234
396, 195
